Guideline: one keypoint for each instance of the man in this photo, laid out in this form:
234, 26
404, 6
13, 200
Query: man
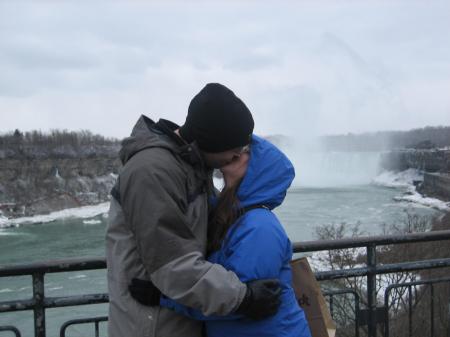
156, 237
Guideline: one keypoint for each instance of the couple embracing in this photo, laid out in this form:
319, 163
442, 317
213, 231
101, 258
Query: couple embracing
186, 260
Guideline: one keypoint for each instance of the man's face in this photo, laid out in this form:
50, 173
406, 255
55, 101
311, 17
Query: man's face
220, 159
235, 171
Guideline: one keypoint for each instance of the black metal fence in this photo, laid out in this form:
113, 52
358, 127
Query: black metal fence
372, 268
92, 320
370, 316
39, 302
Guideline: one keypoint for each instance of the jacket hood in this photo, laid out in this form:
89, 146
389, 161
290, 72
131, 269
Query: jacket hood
269, 175
147, 134
142, 137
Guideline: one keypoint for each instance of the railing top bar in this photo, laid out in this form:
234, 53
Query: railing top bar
54, 266
417, 283
364, 241
383, 269
76, 264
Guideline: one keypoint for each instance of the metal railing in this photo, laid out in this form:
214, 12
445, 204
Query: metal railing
409, 285
373, 269
330, 295
12, 329
95, 320
39, 302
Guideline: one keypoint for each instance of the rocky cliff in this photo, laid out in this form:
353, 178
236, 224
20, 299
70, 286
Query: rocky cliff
433, 160
436, 185
39, 186
435, 164
41, 173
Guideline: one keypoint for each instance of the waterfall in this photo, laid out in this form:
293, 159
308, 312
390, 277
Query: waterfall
333, 169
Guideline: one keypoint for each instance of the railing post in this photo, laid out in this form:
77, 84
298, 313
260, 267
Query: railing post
448, 322
386, 312
432, 309
39, 309
372, 290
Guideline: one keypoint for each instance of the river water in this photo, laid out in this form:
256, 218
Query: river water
302, 212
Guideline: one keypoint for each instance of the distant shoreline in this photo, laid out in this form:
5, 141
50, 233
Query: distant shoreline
386, 179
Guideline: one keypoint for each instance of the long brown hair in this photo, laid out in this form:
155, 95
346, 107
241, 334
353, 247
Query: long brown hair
226, 212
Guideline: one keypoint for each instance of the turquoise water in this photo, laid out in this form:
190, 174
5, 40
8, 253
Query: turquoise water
303, 210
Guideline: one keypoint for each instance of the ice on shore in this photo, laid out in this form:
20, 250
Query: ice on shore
398, 179
417, 198
84, 212
92, 222
405, 179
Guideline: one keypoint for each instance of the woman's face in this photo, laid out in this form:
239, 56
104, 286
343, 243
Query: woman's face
235, 170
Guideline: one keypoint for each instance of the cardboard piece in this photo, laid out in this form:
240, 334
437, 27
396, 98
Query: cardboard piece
310, 297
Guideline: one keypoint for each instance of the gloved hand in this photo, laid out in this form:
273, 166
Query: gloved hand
144, 292
261, 300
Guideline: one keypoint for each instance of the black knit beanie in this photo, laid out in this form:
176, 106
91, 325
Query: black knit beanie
217, 120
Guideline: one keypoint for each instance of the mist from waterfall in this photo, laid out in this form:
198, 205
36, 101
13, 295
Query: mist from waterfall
334, 169
316, 167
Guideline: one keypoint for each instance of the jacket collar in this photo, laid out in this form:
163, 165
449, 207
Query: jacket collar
189, 152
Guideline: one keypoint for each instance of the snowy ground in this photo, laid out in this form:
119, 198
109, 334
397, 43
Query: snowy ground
319, 261
405, 179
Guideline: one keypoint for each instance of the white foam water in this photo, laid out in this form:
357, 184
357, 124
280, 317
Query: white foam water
92, 222
83, 212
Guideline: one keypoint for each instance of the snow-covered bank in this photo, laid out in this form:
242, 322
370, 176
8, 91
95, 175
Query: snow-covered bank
84, 212
417, 198
406, 180
398, 179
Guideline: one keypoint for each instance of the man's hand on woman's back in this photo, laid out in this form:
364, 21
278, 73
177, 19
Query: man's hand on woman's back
262, 299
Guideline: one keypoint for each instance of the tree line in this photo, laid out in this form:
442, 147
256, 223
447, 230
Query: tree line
55, 143
424, 138
54, 137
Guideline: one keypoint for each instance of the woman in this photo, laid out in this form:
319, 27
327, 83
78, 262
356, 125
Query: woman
246, 237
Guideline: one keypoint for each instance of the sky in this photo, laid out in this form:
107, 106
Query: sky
303, 68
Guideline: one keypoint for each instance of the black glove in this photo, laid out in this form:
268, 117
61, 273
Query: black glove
144, 292
261, 300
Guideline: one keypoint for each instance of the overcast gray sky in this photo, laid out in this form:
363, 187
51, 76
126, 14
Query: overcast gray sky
301, 67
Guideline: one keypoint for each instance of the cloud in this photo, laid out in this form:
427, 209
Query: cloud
302, 67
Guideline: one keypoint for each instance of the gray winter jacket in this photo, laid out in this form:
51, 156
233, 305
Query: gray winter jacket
157, 231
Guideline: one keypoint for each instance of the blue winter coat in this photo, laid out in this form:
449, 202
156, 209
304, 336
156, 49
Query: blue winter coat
257, 247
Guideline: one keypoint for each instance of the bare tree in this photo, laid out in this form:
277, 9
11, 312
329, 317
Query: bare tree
344, 310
